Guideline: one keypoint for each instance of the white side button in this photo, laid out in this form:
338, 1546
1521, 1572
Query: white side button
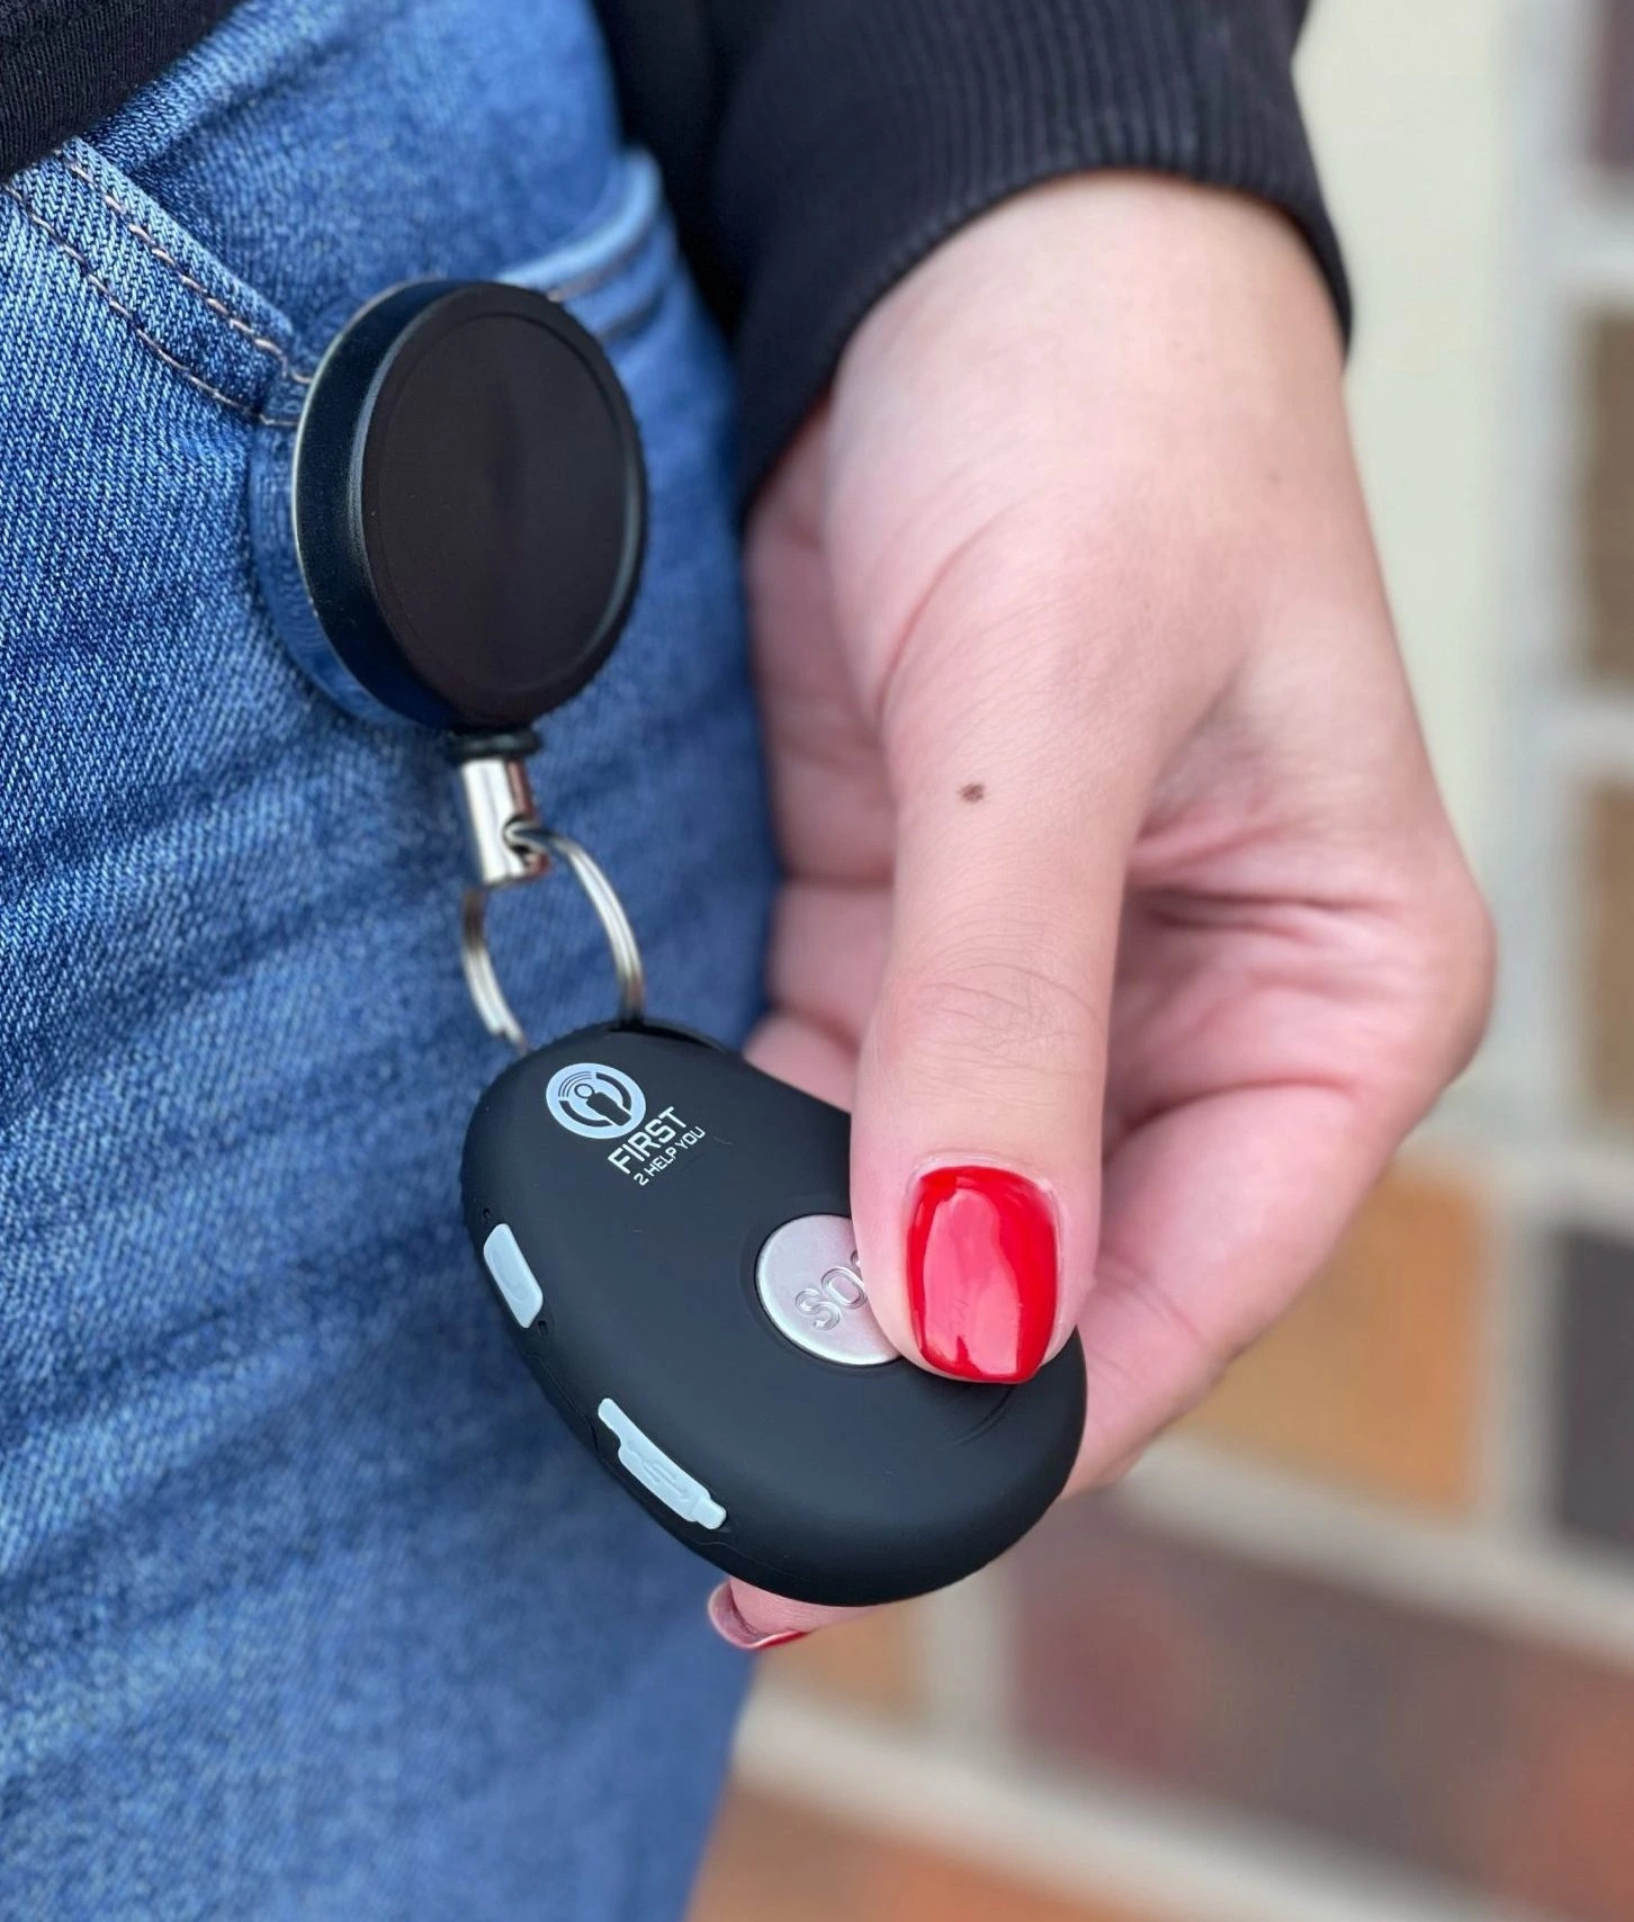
668, 1480
509, 1268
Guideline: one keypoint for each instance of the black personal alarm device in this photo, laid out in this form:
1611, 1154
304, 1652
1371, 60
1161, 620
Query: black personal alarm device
665, 1230
668, 1232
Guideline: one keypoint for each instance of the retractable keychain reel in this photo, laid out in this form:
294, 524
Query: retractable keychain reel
664, 1229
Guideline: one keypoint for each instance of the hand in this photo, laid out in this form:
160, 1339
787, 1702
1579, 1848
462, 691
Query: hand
1120, 896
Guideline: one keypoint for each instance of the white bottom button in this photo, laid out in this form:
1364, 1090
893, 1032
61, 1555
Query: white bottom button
666, 1479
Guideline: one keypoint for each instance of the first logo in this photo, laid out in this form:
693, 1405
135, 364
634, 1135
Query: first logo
596, 1101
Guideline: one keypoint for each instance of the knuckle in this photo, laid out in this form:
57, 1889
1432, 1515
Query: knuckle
1207, 1339
1458, 974
980, 1016
1172, 1359
1435, 990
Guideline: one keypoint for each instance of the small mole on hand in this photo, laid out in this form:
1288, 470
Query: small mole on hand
973, 791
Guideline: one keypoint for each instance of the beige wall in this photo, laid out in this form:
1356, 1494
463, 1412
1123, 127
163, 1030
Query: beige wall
1406, 103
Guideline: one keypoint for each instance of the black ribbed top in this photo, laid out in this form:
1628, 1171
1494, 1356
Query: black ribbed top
816, 149
65, 64
861, 132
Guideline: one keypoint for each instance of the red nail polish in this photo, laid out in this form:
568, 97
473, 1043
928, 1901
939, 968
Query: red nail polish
729, 1625
982, 1269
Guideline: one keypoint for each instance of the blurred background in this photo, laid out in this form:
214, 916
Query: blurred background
1358, 1641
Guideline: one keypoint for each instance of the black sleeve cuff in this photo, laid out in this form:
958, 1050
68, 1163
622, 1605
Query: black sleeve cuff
860, 133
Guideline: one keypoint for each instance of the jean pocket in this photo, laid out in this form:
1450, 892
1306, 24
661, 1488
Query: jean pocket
138, 272
614, 275
88, 246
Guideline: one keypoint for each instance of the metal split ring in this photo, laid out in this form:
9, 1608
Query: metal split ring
539, 845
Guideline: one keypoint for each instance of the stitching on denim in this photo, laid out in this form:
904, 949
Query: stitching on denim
128, 315
591, 279
162, 254
634, 320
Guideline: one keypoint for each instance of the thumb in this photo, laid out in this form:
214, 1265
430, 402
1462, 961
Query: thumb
976, 1136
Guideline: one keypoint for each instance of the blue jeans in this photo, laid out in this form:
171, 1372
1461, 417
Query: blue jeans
308, 1604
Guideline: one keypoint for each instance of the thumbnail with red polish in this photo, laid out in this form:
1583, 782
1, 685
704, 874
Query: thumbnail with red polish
982, 1272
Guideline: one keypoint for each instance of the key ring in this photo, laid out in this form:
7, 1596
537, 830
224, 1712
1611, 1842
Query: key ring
510, 845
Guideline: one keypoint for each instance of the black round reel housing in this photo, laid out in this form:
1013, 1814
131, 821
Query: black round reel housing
469, 503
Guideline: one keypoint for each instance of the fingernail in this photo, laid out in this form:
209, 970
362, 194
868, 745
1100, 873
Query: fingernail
728, 1623
982, 1272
